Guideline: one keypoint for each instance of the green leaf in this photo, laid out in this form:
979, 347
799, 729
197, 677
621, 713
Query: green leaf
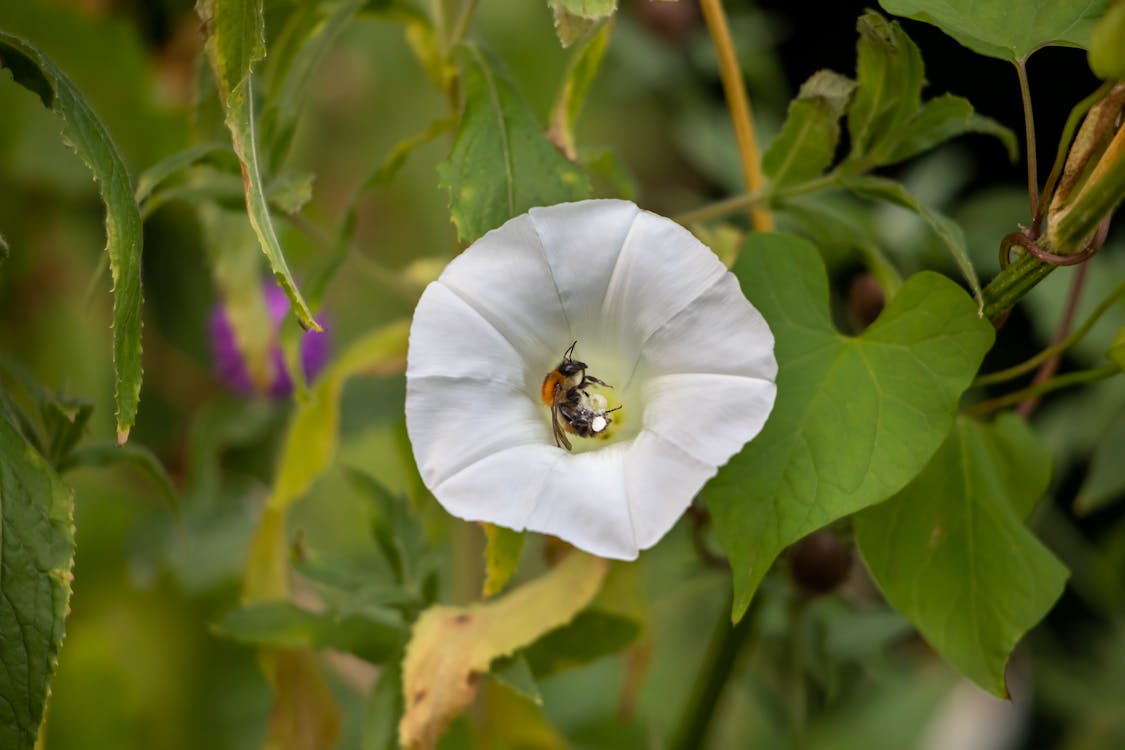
158, 173
308, 450
514, 673
574, 18
593, 634
889, 78
84, 133
999, 28
581, 69
951, 553
137, 456
501, 556
371, 635
384, 707
36, 557
939, 120
948, 231
806, 145
501, 164
855, 418
234, 43
1107, 44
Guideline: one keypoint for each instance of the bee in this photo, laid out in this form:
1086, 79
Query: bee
573, 408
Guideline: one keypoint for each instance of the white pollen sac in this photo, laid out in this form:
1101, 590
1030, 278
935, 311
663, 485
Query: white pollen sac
599, 423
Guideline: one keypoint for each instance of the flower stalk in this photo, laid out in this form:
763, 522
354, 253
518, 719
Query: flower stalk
739, 104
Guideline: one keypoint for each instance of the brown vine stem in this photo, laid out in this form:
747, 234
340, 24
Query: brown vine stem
739, 104
1051, 365
1029, 130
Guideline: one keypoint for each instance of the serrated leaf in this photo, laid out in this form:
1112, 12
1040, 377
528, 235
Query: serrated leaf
309, 447
889, 78
951, 553
940, 119
807, 142
36, 557
581, 69
948, 231
501, 164
998, 28
88, 137
453, 646
501, 557
136, 456
574, 18
235, 42
855, 418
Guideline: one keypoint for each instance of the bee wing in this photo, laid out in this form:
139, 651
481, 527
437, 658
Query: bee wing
560, 436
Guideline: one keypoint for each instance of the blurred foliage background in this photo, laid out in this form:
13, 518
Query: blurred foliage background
141, 666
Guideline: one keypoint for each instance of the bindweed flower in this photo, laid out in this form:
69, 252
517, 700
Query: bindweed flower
686, 361
230, 362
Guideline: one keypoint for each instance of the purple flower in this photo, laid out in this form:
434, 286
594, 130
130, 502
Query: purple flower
230, 363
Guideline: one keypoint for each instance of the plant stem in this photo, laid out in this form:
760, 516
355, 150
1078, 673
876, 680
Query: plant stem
1051, 365
1029, 131
1080, 377
1011, 284
726, 644
1028, 365
739, 105
750, 200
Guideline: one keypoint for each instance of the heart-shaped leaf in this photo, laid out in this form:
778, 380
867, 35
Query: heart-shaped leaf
855, 418
1009, 31
951, 553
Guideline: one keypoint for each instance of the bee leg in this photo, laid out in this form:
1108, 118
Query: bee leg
592, 379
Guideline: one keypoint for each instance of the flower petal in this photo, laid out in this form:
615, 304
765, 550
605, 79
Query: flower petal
581, 242
454, 422
718, 332
450, 338
501, 488
708, 416
504, 276
584, 502
661, 481
660, 270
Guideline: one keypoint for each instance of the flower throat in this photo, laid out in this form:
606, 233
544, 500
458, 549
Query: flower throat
573, 408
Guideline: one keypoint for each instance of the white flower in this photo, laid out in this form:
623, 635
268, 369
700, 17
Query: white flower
655, 315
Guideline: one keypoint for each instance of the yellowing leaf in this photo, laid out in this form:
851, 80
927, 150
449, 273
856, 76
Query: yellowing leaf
501, 557
453, 646
304, 714
310, 444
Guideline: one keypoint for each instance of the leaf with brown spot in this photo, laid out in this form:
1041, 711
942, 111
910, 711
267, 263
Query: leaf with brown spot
452, 646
